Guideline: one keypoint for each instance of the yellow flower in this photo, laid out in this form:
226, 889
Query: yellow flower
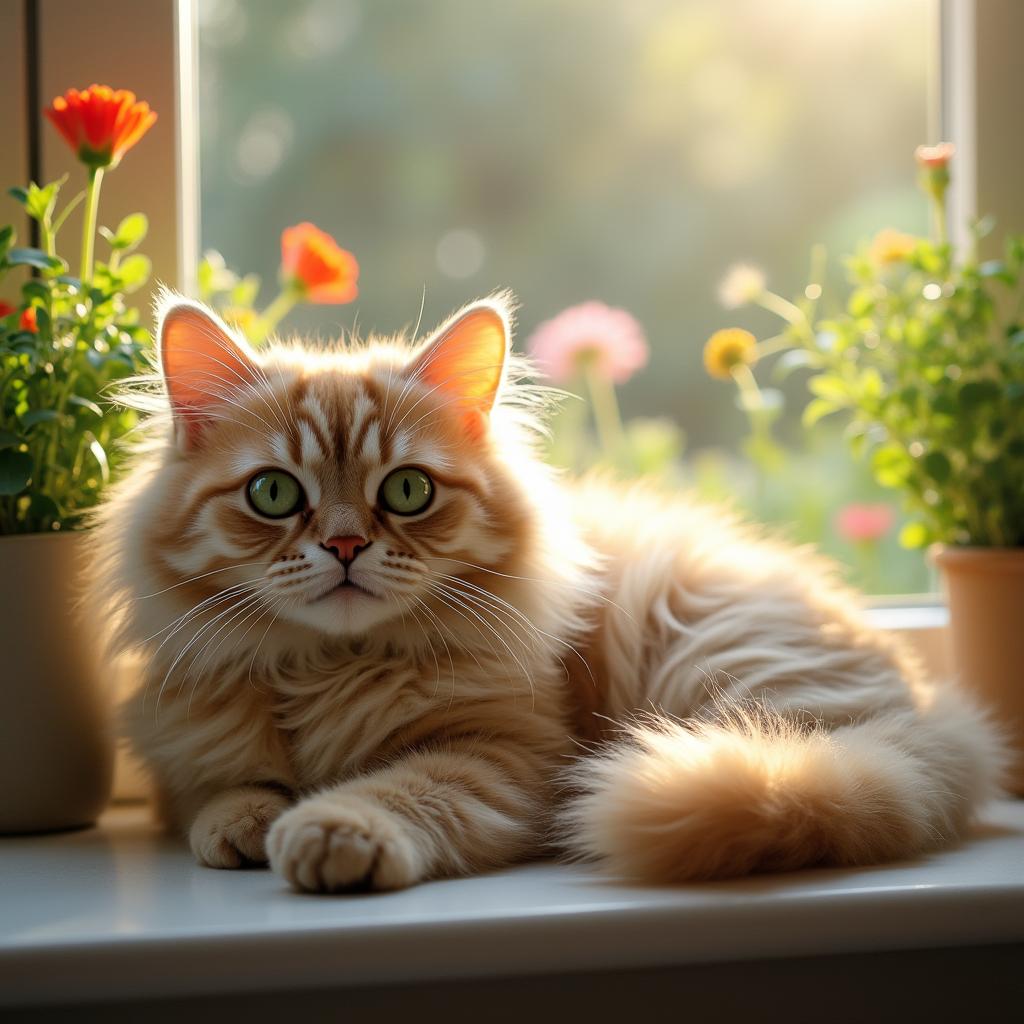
891, 246
727, 349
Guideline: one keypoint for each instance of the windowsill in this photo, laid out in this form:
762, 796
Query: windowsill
120, 912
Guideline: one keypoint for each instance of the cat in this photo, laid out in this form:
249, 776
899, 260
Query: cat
385, 643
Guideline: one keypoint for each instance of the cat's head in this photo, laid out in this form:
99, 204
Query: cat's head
337, 488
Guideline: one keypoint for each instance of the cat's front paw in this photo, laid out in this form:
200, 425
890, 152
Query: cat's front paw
340, 842
230, 831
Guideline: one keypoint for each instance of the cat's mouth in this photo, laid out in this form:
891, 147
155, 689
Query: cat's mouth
347, 587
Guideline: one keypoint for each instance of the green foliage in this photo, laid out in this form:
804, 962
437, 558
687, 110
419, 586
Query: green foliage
58, 427
927, 363
233, 296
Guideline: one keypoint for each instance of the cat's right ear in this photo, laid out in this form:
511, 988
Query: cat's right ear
203, 366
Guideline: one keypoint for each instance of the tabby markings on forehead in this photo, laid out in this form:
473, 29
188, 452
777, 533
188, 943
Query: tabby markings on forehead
312, 407
371, 443
400, 443
279, 446
364, 406
310, 449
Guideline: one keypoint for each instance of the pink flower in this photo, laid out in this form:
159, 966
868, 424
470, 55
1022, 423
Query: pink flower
861, 523
612, 338
935, 157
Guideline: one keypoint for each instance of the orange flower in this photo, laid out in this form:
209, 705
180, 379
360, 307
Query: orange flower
27, 321
316, 266
99, 123
891, 246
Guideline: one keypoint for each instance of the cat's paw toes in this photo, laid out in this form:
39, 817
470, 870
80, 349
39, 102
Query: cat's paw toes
334, 844
230, 831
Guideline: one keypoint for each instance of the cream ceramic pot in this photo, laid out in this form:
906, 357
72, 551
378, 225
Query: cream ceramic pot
56, 748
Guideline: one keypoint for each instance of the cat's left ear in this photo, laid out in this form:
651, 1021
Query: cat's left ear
205, 367
466, 357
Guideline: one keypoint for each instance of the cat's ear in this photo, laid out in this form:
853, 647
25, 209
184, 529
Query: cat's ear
466, 356
203, 365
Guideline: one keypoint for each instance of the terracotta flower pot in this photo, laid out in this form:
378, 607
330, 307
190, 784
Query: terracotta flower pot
56, 747
985, 591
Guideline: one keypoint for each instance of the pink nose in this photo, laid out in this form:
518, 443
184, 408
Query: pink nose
345, 549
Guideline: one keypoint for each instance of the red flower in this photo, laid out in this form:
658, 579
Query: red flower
27, 321
6, 309
316, 266
100, 124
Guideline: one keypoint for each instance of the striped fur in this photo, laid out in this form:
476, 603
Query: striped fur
361, 741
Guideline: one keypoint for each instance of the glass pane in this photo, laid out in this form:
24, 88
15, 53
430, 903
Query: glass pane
627, 152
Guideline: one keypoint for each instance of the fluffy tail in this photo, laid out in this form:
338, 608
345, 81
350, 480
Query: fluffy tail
758, 793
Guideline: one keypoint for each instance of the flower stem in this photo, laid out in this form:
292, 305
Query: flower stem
939, 215
776, 343
781, 307
92, 204
277, 310
606, 409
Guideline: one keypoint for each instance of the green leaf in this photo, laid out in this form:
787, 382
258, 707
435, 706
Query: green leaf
6, 239
891, 465
9, 440
244, 293
18, 193
39, 202
871, 385
43, 324
213, 276
130, 231
99, 455
35, 288
30, 419
827, 386
72, 282
914, 535
862, 302
134, 272
15, 471
937, 466
35, 258
815, 410
84, 403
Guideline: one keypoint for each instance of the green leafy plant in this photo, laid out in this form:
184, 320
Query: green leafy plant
926, 361
69, 338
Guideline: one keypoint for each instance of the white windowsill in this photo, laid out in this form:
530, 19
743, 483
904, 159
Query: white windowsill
121, 912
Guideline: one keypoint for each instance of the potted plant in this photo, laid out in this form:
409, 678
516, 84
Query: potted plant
63, 342
926, 361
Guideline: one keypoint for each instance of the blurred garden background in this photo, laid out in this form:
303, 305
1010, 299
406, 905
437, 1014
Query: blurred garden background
575, 150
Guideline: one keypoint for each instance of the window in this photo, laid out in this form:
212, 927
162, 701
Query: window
626, 152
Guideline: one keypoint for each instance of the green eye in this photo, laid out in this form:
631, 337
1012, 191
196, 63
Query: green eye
275, 494
406, 491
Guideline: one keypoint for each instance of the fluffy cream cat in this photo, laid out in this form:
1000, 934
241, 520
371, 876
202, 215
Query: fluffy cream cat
379, 633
